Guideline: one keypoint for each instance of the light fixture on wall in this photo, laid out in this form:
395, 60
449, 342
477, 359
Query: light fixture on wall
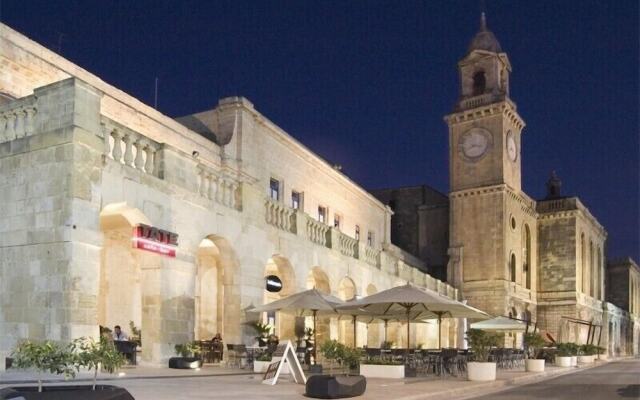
195, 154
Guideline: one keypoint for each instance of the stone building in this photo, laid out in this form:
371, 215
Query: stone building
112, 212
508, 254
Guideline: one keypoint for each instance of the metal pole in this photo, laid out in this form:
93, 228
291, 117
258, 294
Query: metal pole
315, 337
439, 331
386, 325
408, 333
354, 331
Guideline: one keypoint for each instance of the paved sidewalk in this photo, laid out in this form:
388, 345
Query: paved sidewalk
219, 383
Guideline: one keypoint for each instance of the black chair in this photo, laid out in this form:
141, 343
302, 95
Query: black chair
335, 387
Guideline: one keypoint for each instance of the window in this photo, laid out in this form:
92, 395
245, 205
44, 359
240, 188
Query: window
337, 221
322, 214
512, 268
274, 189
296, 200
358, 232
370, 239
526, 256
479, 83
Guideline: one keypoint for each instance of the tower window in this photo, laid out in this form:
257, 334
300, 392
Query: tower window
479, 83
512, 268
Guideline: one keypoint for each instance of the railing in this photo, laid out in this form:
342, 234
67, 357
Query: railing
279, 215
130, 148
317, 232
217, 187
556, 205
476, 101
17, 119
371, 256
347, 245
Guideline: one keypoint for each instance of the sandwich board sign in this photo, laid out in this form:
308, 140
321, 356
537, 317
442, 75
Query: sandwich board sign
284, 355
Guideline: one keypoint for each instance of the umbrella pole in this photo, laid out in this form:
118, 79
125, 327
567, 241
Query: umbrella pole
386, 325
354, 331
408, 332
315, 337
440, 331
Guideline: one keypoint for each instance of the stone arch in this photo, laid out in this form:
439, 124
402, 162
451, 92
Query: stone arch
318, 279
282, 323
346, 291
479, 82
125, 290
592, 270
512, 267
217, 290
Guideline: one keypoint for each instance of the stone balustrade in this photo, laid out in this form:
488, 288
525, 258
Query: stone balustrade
476, 101
317, 232
347, 245
130, 148
279, 215
371, 256
217, 187
547, 206
17, 119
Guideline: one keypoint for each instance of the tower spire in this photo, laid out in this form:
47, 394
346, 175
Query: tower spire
483, 22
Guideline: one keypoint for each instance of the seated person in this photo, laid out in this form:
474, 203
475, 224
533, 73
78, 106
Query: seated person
217, 348
119, 335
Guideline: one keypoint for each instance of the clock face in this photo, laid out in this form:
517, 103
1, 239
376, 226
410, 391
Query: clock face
512, 148
474, 143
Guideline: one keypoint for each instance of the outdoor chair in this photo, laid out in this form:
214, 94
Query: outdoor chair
449, 362
241, 355
217, 352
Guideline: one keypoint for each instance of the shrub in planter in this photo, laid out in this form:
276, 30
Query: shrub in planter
97, 355
587, 353
188, 356
563, 355
45, 357
382, 368
344, 356
533, 343
481, 343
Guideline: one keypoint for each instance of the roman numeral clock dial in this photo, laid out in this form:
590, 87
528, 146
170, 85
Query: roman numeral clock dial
474, 143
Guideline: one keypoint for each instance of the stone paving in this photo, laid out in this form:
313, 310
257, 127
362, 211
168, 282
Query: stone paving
219, 383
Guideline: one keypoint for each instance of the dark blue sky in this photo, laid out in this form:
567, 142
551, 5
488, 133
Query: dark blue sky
366, 83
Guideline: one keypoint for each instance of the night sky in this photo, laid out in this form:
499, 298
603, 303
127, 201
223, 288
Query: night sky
365, 84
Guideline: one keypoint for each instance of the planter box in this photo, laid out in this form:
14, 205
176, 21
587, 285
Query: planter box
585, 359
185, 363
382, 371
261, 367
481, 371
574, 361
563, 361
84, 392
534, 365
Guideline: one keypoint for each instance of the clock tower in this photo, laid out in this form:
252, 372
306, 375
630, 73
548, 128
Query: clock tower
485, 128
490, 216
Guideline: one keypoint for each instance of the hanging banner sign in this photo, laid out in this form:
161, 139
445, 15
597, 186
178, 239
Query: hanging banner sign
155, 240
274, 284
284, 355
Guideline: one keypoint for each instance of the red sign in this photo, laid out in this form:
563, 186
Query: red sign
155, 240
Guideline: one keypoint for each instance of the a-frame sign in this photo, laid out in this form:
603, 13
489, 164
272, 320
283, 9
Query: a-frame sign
284, 355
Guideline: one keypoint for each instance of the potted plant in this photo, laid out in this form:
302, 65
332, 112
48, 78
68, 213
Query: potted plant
97, 355
574, 348
67, 360
563, 354
382, 368
136, 334
344, 356
587, 353
481, 343
188, 356
263, 331
533, 342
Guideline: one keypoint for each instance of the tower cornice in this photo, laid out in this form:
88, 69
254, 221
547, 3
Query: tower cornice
481, 109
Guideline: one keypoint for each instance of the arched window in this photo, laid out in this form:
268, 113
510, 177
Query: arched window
479, 83
526, 255
512, 268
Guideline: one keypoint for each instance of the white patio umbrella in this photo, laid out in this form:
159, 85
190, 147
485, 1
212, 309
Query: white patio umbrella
500, 324
307, 303
410, 299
